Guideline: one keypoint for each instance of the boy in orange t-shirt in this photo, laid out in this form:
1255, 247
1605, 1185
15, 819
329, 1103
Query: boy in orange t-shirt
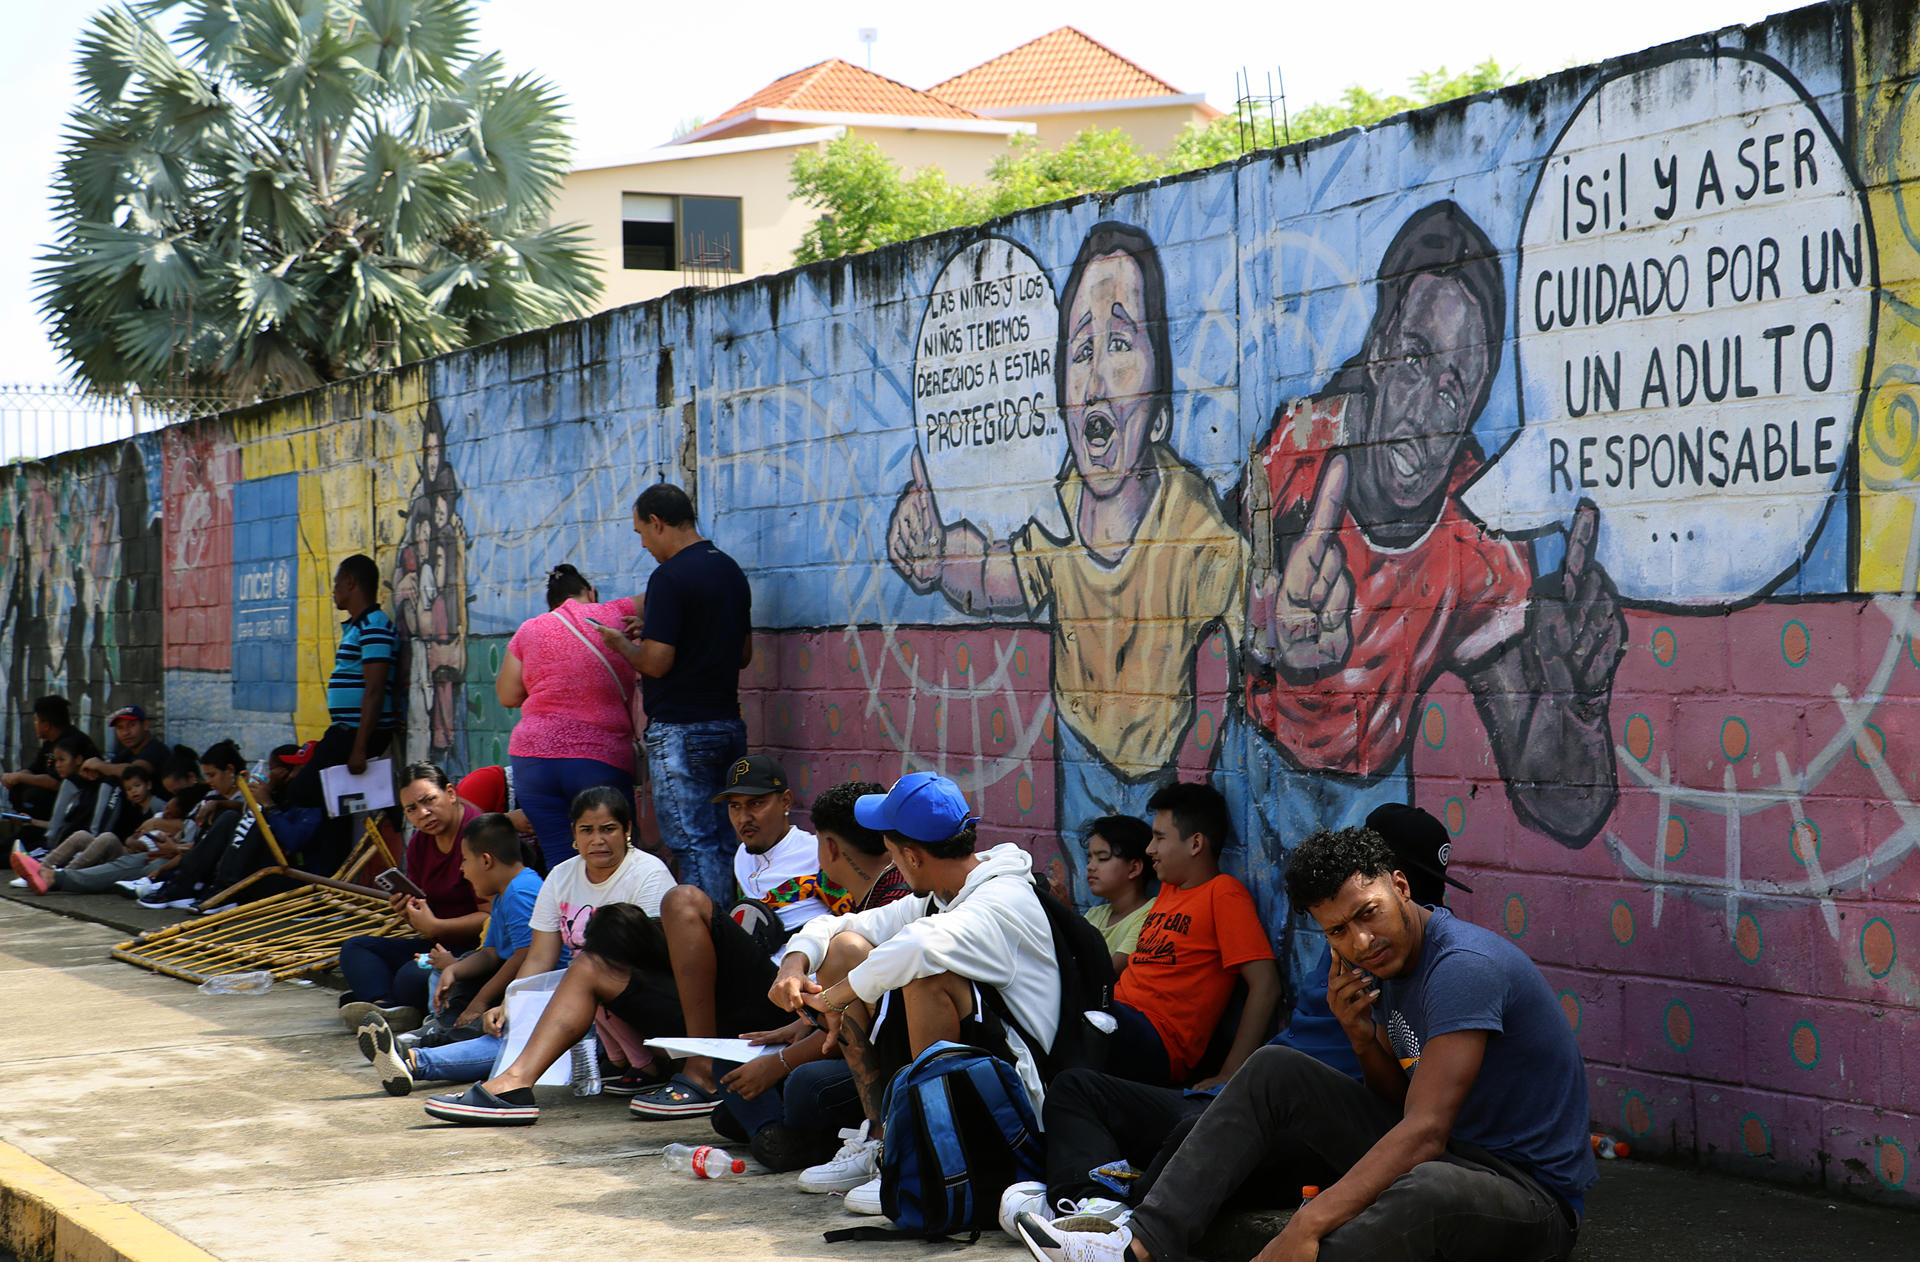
1203, 932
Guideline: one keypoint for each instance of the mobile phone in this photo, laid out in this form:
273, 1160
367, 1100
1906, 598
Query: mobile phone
595, 622
813, 1018
394, 881
1373, 983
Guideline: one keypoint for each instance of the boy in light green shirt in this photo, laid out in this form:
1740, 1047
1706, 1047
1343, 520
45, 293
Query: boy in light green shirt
1118, 871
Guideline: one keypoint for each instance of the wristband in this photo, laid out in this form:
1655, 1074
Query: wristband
782, 1054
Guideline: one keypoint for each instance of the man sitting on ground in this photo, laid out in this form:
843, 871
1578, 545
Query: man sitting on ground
893, 981
1107, 1136
1203, 933
1468, 1139
30, 790
133, 742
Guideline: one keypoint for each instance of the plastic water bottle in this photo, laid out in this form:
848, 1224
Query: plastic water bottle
1307, 1193
1606, 1147
586, 1066
703, 1162
258, 982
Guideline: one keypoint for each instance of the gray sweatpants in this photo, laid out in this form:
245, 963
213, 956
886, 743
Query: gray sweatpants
1467, 1206
99, 878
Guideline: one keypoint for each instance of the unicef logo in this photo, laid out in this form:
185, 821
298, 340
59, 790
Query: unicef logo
281, 581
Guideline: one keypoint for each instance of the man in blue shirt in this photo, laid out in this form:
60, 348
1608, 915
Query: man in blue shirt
1468, 1139
359, 693
694, 638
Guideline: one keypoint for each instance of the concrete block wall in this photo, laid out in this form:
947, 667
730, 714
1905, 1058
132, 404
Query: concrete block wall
1547, 458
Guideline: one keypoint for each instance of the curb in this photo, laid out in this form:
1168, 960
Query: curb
47, 1217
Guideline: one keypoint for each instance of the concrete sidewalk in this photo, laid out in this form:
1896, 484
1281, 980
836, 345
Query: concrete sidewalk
250, 1126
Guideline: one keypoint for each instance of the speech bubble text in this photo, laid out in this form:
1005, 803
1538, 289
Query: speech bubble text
983, 388
1693, 315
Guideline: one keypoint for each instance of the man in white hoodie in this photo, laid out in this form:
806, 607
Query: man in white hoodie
891, 982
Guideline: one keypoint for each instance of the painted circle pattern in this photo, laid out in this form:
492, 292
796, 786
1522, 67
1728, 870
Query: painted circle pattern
1020, 661
1515, 916
1665, 645
1023, 793
1755, 1137
1878, 949
1735, 739
1747, 938
1455, 812
804, 658
1679, 1026
1803, 843
1620, 920
1433, 725
1870, 746
1203, 729
833, 718
1803, 1044
997, 725
1796, 643
1637, 736
1570, 1007
1891, 1162
1635, 1115
1675, 840
962, 657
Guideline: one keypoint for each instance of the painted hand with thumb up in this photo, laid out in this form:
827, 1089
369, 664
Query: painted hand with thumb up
1313, 609
916, 540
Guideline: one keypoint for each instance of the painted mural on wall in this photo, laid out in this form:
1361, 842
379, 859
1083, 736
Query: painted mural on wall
1548, 459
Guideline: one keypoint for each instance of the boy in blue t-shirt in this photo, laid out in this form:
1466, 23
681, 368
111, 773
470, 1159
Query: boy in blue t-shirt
491, 860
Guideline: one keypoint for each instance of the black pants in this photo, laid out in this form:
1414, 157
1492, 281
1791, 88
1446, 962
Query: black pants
1466, 1206
1096, 1119
333, 749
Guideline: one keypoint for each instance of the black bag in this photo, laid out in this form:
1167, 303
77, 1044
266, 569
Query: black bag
1086, 986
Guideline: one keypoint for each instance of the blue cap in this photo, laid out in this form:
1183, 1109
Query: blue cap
921, 807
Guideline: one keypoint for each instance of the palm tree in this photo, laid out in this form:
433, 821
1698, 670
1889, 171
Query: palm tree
279, 193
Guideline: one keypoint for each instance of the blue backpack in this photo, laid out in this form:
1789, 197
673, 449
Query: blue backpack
959, 1130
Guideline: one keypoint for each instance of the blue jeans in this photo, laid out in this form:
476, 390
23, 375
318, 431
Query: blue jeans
1275, 806
470, 1060
687, 764
546, 788
383, 971
818, 1096
1089, 788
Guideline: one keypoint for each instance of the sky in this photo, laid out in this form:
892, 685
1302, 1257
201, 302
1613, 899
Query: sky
631, 71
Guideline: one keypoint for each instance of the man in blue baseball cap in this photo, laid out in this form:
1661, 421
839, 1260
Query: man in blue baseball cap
891, 982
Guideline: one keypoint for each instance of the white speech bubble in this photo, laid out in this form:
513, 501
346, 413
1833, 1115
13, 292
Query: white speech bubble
983, 389
1693, 314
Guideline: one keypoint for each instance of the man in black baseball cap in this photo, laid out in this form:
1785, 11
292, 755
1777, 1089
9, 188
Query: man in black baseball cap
1421, 844
753, 776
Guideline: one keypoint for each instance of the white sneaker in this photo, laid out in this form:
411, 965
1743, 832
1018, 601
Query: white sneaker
18, 882
857, 1162
1081, 1238
1031, 1198
865, 1199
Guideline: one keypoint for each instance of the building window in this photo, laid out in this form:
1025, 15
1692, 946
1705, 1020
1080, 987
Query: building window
660, 232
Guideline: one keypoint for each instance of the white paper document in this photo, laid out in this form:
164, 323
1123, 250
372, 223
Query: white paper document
719, 1049
526, 999
371, 790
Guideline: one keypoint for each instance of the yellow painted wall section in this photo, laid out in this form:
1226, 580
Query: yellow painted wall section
1888, 156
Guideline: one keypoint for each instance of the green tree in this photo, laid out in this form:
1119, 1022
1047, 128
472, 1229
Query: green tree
272, 194
866, 201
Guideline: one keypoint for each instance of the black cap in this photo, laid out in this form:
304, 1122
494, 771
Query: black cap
1419, 841
753, 776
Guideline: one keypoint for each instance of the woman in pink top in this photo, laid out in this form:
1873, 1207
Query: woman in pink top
574, 697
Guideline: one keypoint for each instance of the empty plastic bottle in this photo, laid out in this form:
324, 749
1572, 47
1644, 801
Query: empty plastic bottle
704, 1162
258, 982
586, 1066
1308, 1192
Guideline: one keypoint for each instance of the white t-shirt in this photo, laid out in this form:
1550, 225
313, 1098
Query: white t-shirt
785, 878
567, 897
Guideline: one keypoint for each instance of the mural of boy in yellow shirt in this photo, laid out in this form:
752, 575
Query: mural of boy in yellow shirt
1149, 563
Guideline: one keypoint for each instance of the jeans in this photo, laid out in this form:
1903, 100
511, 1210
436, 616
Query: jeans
1463, 1206
383, 971
817, 1096
1087, 788
469, 1060
546, 788
1274, 807
687, 764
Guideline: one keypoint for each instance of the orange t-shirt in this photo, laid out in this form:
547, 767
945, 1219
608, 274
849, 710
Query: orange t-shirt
1181, 974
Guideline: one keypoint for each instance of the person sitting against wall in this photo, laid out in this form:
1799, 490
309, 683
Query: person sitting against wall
383, 974
606, 873
121, 810
30, 789
575, 700
1119, 871
133, 743
791, 1108
71, 809
225, 846
493, 863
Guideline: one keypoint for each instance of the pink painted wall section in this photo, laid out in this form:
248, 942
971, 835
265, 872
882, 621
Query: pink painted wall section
1737, 950
200, 467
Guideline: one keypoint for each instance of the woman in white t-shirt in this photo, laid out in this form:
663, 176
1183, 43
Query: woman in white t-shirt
605, 869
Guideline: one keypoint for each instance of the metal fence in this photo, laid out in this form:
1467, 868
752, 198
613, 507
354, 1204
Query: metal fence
42, 420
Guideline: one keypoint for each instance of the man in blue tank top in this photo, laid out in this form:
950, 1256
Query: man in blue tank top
1469, 1137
